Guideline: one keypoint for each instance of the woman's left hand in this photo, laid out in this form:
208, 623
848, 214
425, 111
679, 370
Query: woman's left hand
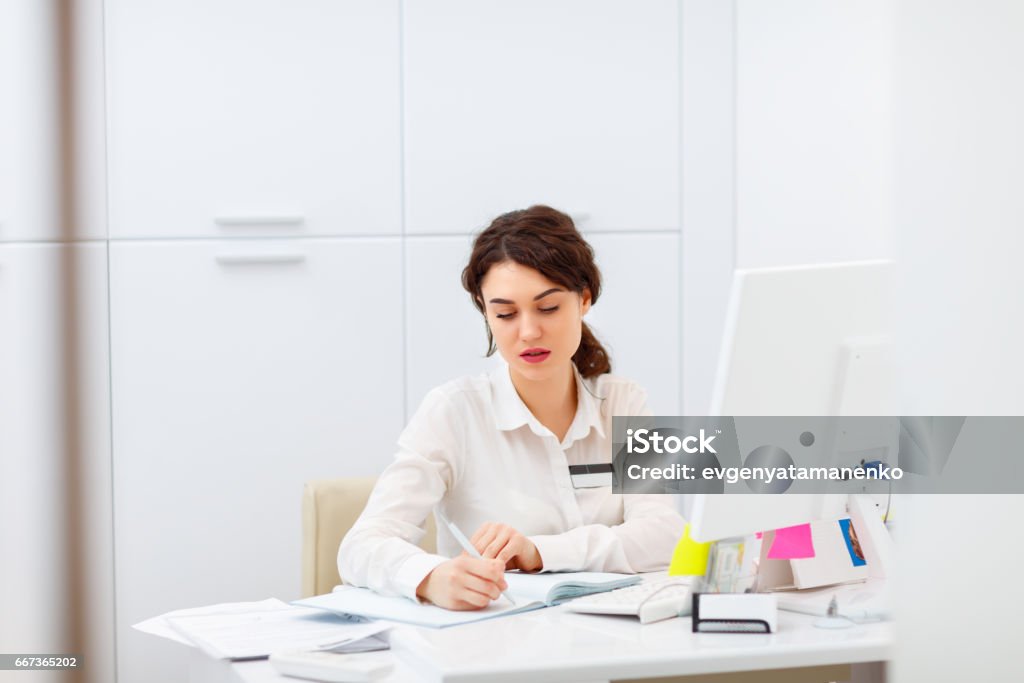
496, 540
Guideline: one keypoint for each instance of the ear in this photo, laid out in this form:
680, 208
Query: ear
585, 301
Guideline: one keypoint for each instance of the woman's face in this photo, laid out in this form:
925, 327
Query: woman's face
536, 323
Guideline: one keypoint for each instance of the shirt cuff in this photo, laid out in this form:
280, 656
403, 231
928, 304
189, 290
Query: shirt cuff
412, 572
558, 552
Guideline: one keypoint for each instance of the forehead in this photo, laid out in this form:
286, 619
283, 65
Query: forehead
511, 280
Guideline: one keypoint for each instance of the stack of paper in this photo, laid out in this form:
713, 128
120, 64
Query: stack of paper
254, 630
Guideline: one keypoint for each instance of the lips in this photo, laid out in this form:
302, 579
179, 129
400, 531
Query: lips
535, 355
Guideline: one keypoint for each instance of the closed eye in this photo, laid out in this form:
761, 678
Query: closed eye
505, 316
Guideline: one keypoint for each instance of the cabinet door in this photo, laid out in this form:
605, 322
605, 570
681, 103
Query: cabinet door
236, 117
637, 316
34, 476
511, 103
446, 333
241, 369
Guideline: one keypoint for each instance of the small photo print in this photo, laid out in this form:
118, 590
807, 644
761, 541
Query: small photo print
852, 544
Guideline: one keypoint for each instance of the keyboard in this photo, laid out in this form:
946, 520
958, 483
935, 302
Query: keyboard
654, 600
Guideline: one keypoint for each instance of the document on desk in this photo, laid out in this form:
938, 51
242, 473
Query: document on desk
254, 634
530, 591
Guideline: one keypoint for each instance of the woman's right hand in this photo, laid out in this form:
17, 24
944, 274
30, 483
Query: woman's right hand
464, 583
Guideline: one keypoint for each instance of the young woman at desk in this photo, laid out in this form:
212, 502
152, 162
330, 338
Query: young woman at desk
493, 451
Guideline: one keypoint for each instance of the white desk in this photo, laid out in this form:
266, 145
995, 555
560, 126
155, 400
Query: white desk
556, 645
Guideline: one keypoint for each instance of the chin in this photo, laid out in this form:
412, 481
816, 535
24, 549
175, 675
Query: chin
540, 372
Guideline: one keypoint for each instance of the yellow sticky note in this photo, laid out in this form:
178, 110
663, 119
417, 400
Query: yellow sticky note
690, 558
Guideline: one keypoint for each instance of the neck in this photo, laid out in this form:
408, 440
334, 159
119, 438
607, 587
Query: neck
552, 401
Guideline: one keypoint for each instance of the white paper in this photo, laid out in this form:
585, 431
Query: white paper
255, 629
831, 563
158, 626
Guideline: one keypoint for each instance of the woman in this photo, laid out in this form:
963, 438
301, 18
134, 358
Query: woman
492, 451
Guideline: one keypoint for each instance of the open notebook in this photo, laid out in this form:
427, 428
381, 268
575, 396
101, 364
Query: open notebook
530, 591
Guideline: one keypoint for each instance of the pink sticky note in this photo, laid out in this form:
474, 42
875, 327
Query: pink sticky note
792, 543
759, 535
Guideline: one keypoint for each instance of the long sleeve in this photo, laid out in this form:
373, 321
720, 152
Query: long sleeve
380, 550
643, 542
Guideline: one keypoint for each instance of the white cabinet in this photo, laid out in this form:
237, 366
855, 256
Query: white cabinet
33, 473
234, 117
241, 369
511, 103
446, 333
637, 316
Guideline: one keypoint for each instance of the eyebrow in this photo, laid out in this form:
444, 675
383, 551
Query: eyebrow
536, 298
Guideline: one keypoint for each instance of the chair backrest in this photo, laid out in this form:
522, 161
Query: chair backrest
329, 509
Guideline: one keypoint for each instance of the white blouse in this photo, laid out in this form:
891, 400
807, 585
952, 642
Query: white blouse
475, 450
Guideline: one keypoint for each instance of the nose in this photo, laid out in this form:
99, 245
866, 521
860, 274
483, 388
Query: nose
529, 328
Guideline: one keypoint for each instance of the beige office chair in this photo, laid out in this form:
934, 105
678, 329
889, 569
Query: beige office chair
329, 509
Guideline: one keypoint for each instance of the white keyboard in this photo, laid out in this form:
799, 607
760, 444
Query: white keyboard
653, 600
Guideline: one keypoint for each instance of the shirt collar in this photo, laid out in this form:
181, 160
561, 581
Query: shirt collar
511, 413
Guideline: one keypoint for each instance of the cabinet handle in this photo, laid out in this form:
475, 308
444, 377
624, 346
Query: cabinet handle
258, 259
236, 221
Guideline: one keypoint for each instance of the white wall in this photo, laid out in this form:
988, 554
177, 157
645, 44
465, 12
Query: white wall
958, 105
813, 138
709, 190
786, 151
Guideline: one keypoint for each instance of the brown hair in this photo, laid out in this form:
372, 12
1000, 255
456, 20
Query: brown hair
546, 240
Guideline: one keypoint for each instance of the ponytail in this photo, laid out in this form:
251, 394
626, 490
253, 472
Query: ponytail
591, 359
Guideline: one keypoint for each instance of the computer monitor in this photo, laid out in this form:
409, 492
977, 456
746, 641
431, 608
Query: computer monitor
806, 341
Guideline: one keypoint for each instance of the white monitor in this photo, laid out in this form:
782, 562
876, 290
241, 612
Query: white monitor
726, 515
807, 340
802, 341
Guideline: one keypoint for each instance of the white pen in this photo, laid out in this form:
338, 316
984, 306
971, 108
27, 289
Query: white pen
466, 545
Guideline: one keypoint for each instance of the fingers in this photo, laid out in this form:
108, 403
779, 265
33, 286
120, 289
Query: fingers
480, 532
467, 600
508, 552
491, 571
464, 583
501, 542
492, 539
464, 597
474, 583
505, 547
483, 587
484, 536
467, 605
